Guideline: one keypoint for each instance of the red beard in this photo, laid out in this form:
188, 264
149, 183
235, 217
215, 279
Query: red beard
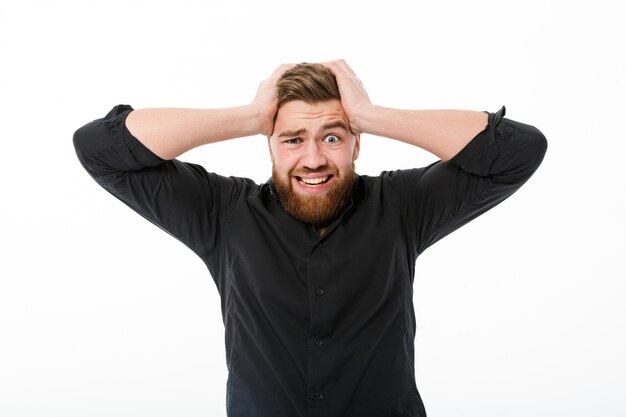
319, 210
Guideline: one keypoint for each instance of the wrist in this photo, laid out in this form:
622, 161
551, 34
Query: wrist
262, 120
363, 118
254, 119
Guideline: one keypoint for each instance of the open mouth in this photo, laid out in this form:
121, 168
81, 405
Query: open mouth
314, 182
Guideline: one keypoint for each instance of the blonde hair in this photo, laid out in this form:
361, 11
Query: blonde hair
310, 83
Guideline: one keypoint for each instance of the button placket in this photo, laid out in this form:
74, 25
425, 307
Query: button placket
319, 262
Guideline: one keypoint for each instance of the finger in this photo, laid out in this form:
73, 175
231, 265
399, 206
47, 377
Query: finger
333, 66
339, 66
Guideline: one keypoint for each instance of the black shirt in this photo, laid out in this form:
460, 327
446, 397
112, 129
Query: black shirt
315, 326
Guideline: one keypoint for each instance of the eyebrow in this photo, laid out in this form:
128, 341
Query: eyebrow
331, 125
292, 133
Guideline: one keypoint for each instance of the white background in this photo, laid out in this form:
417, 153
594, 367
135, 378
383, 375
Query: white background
520, 313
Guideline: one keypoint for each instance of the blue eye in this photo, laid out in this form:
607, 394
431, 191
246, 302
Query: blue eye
293, 141
332, 139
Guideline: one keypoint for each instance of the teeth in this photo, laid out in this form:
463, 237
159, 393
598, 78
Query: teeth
313, 181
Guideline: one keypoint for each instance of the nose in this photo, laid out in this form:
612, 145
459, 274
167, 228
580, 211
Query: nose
313, 157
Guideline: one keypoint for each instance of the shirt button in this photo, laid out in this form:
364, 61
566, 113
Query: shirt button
319, 291
319, 343
319, 396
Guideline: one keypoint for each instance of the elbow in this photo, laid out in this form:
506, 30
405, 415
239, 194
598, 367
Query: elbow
526, 143
83, 140
521, 151
537, 147
81, 137
93, 147
94, 140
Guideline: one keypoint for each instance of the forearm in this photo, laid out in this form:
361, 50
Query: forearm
441, 132
170, 132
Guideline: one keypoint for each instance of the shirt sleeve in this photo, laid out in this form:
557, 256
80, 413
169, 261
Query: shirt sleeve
181, 198
438, 199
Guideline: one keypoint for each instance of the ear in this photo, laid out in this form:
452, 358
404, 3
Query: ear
357, 147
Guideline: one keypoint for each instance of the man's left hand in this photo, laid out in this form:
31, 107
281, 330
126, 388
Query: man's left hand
354, 98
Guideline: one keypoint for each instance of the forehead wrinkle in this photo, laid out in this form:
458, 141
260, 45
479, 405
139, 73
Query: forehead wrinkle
303, 118
315, 115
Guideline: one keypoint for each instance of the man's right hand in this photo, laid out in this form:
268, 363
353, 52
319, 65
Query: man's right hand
265, 102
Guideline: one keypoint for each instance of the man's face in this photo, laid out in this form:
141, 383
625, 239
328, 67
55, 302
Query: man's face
313, 154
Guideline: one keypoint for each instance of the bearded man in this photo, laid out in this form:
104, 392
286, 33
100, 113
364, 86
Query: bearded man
315, 267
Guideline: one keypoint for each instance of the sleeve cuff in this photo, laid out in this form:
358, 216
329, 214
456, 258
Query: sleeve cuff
478, 156
116, 121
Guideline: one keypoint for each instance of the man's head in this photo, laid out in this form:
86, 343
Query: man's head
312, 148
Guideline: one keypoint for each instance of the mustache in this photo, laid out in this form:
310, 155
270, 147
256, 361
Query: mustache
304, 171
